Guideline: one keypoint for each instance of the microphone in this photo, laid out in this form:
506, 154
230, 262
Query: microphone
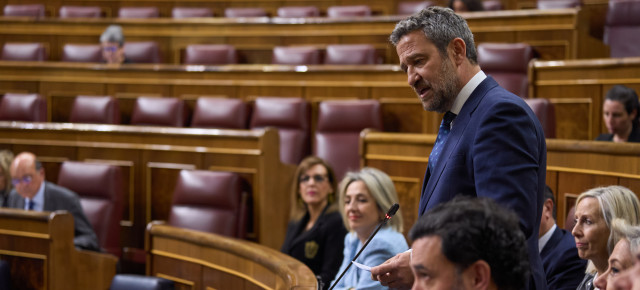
392, 211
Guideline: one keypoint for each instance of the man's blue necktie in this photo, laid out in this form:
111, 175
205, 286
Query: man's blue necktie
30, 204
443, 133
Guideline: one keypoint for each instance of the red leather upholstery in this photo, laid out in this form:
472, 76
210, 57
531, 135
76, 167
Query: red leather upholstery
508, 64
350, 54
622, 28
95, 109
80, 12
570, 221
492, 5
348, 11
411, 7
555, 4
138, 12
23, 107
546, 113
298, 11
142, 52
292, 118
159, 112
244, 12
296, 55
32, 10
210, 201
24, 52
188, 12
337, 137
99, 186
212, 54
82, 53
211, 112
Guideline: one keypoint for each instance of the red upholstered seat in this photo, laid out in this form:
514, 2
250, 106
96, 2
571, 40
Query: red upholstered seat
244, 12
350, 54
210, 201
348, 11
622, 28
142, 52
24, 52
159, 112
298, 11
211, 112
570, 221
411, 7
546, 113
492, 5
555, 4
296, 55
292, 118
82, 53
95, 109
32, 10
508, 64
189, 12
210, 54
80, 12
23, 107
100, 188
138, 12
337, 136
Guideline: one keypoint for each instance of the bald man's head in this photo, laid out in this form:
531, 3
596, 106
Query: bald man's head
26, 174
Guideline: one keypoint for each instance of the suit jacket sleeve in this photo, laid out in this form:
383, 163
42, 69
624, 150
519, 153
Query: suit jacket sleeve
60, 198
333, 248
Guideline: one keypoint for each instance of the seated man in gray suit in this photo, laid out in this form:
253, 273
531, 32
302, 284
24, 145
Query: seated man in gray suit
32, 192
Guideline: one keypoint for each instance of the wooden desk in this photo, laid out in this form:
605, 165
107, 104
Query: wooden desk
39, 247
197, 260
577, 89
151, 158
572, 166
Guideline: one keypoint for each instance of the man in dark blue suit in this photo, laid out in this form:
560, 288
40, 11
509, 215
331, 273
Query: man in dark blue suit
494, 147
562, 265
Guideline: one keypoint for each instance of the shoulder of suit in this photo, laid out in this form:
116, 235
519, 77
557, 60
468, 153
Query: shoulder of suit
57, 189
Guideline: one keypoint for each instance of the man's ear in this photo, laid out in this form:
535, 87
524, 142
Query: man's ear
478, 275
458, 49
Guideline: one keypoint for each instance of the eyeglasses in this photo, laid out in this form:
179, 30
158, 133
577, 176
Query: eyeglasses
26, 180
110, 48
317, 178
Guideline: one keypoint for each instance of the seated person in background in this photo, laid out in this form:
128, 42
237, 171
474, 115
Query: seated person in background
365, 197
112, 42
620, 113
563, 267
315, 232
6, 157
33, 192
469, 243
621, 257
466, 5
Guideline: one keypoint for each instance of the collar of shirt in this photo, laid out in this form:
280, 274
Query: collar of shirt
465, 93
38, 199
542, 241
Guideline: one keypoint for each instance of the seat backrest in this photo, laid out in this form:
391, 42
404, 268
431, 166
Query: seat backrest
622, 28
570, 220
349, 11
32, 10
142, 52
24, 52
411, 7
298, 11
82, 53
244, 12
350, 54
296, 55
212, 112
337, 136
292, 118
492, 5
138, 12
154, 111
95, 109
211, 54
508, 64
23, 107
188, 12
80, 12
555, 4
546, 113
99, 186
139, 282
210, 201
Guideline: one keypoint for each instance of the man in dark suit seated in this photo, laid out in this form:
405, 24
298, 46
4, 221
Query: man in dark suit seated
32, 192
562, 265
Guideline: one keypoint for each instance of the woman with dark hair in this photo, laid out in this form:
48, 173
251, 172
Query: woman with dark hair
466, 5
316, 232
620, 114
